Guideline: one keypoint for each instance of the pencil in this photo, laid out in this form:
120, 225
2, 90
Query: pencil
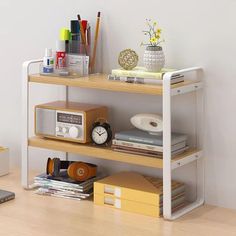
95, 41
82, 34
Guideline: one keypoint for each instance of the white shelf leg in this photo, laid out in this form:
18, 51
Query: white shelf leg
25, 114
166, 106
25, 124
200, 138
200, 162
167, 213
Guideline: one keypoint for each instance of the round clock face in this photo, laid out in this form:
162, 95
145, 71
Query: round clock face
99, 135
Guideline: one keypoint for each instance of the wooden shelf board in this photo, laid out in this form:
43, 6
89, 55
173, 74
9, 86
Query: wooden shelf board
99, 81
101, 152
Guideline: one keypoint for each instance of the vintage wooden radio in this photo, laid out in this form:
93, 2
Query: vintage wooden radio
70, 121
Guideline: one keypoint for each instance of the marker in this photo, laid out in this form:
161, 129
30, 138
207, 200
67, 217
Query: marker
60, 55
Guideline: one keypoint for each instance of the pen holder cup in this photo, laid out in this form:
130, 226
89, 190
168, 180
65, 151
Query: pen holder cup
76, 47
79, 61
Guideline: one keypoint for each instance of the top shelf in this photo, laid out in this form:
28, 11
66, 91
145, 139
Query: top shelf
99, 81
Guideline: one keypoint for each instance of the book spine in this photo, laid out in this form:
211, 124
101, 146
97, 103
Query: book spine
179, 151
137, 145
178, 146
137, 152
179, 202
146, 152
138, 140
136, 74
139, 80
175, 192
147, 147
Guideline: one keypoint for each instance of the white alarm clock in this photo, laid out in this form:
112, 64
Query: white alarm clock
151, 123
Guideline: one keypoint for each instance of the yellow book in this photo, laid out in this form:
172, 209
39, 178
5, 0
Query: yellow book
136, 207
140, 72
126, 205
135, 187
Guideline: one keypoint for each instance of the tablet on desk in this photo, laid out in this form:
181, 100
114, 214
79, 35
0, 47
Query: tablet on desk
6, 196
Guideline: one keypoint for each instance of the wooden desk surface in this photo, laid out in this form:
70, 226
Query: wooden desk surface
33, 215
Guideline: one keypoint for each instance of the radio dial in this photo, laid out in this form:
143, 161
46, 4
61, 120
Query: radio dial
74, 132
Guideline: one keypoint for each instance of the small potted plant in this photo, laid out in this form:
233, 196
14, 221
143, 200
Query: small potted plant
154, 58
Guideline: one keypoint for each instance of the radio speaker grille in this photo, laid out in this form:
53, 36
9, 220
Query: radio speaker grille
45, 121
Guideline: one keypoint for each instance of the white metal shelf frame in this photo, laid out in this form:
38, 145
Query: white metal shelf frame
168, 165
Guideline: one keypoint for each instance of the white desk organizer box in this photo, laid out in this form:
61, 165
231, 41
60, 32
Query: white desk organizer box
4, 161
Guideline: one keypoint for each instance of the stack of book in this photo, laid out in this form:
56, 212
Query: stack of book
64, 187
137, 193
136, 141
140, 76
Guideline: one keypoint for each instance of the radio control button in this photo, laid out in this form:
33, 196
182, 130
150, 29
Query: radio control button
74, 132
58, 129
65, 130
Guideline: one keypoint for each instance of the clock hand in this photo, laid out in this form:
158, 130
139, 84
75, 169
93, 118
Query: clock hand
102, 133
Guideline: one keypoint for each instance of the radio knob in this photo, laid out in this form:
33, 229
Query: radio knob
74, 132
58, 129
64, 130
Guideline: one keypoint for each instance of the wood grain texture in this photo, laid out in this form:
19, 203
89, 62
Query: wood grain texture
99, 81
101, 153
30, 214
69, 106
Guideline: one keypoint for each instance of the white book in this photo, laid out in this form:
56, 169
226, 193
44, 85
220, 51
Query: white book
139, 80
148, 147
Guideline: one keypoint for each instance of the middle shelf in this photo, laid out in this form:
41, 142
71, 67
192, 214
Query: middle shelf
108, 154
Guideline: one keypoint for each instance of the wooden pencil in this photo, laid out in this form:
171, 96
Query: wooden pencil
95, 42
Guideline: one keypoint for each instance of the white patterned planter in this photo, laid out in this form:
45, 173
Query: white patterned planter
154, 58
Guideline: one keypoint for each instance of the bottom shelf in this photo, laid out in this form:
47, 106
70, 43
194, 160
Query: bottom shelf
108, 154
147, 210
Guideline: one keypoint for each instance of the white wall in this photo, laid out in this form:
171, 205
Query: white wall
27, 28
196, 32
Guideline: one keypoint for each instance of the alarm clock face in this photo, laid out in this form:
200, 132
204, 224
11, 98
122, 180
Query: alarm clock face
99, 135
